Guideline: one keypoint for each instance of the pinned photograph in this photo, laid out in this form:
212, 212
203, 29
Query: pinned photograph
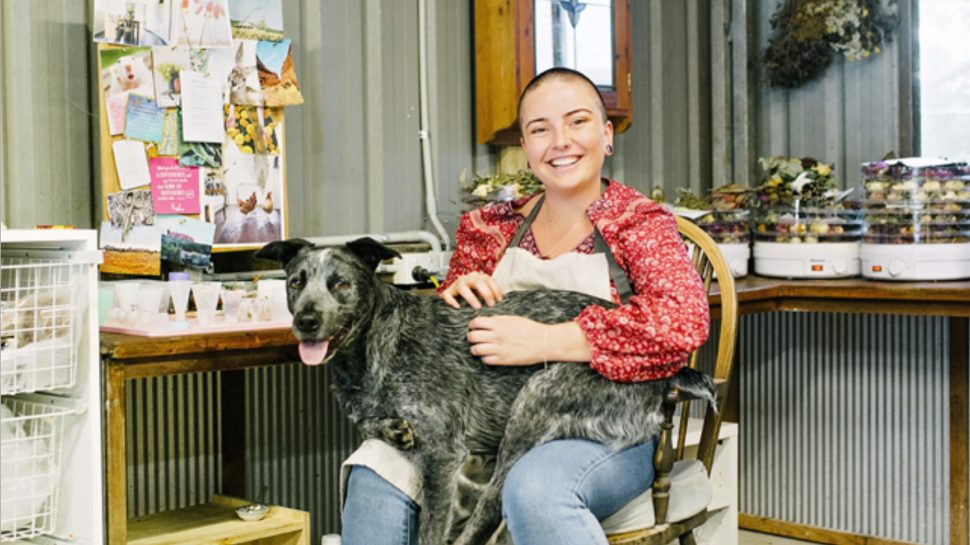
204, 23
186, 241
244, 78
130, 209
215, 195
200, 154
127, 70
277, 76
253, 128
169, 61
171, 133
138, 252
256, 19
135, 22
253, 207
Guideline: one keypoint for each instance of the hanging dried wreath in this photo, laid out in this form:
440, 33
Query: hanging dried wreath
807, 34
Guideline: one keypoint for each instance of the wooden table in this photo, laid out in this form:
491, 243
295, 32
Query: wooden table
127, 357
858, 296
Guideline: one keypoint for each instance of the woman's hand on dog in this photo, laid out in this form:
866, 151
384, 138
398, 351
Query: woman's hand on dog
471, 287
513, 340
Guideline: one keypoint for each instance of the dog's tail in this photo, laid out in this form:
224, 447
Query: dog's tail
696, 384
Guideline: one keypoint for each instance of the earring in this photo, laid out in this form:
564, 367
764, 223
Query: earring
609, 149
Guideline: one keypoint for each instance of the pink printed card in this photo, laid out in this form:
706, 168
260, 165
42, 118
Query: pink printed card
175, 189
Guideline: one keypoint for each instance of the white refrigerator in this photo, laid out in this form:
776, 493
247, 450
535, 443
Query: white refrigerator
51, 461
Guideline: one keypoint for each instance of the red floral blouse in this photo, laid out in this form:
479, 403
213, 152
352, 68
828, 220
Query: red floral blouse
649, 337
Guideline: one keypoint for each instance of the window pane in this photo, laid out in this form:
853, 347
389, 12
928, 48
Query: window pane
944, 78
588, 47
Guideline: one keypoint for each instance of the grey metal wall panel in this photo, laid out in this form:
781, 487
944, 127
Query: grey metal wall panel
45, 170
296, 439
847, 116
174, 453
845, 423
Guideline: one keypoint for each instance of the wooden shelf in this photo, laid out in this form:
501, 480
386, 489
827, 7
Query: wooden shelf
216, 522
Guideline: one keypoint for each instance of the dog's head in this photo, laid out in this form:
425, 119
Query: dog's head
329, 291
130, 72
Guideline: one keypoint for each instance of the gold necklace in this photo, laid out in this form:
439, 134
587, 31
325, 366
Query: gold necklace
562, 239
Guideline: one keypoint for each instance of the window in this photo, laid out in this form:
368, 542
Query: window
944, 78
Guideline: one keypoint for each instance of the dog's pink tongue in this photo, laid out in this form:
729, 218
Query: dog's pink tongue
312, 353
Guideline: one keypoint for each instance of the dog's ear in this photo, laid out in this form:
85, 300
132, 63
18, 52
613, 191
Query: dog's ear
371, 252
282, 250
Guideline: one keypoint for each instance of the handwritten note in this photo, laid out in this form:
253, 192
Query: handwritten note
175, 189
201, 108
144, 120
131, 163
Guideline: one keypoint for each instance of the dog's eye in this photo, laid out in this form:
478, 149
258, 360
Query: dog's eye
296, 283
341, 285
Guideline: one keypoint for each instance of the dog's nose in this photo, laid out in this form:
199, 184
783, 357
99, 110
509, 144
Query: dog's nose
307, 322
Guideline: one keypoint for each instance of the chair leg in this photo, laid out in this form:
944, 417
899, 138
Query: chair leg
687, 539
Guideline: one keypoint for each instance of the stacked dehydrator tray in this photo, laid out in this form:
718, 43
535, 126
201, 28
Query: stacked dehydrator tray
731, 230
917, 220
51, 477
808, 241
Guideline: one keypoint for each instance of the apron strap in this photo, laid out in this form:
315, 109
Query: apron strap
520, 232
617, 274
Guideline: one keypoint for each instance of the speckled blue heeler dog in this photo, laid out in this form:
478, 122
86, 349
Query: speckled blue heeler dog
403, 372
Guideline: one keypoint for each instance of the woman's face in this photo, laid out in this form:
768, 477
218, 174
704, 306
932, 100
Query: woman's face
564, 135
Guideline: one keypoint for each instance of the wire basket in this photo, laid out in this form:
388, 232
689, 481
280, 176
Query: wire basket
39, 302
30, 434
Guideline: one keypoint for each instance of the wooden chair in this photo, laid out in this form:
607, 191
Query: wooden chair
708, 261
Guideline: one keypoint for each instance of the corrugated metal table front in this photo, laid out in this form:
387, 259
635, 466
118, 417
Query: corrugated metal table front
127, 357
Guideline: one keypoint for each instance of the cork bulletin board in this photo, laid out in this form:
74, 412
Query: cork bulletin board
193, 157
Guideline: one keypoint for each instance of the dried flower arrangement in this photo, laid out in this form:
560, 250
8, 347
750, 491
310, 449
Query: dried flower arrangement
809, 32
502, 187
792, 178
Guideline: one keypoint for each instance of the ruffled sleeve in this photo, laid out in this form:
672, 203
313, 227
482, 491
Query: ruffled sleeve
480, 240
649, 337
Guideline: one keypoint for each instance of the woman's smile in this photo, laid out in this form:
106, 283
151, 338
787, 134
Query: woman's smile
564, 162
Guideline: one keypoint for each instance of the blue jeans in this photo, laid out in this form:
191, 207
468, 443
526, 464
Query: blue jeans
556, 493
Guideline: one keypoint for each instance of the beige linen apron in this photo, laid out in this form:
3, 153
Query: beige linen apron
517, 270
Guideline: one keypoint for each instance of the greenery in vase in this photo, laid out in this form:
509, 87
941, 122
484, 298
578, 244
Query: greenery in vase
791, 178
502, 187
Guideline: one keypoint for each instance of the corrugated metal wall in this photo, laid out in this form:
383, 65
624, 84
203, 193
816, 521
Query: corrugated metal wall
844, 423
174, 442
700, 119
855, 112
844, 426
296, 439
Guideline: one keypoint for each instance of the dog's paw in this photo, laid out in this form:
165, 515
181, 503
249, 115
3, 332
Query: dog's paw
397, 432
